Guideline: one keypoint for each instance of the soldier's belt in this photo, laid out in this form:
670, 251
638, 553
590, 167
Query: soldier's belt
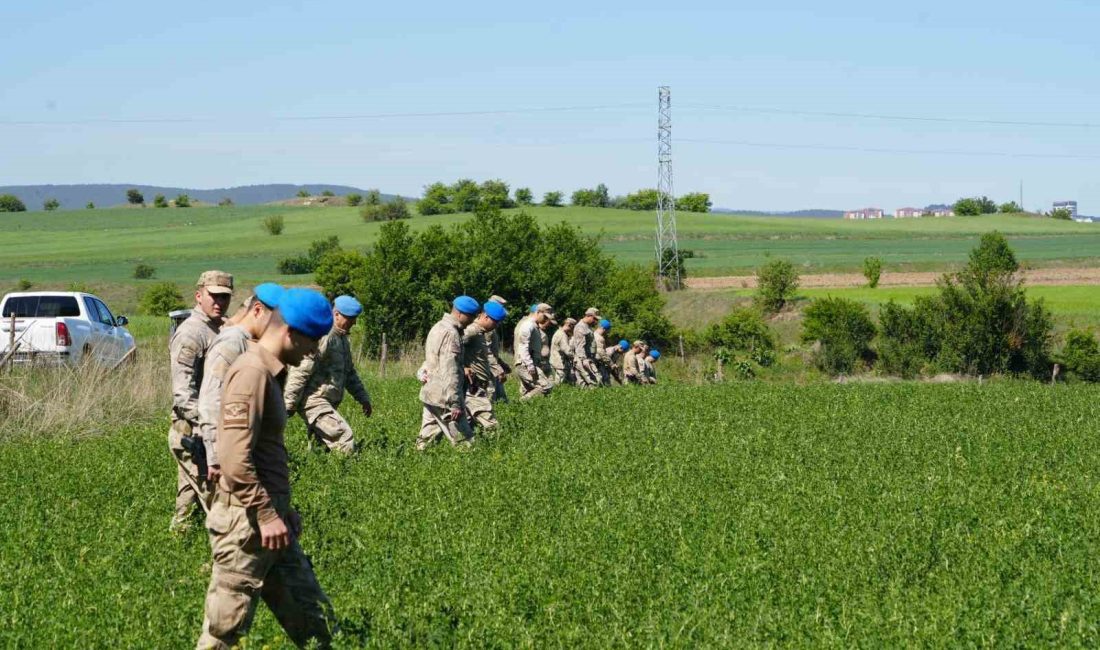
226, 499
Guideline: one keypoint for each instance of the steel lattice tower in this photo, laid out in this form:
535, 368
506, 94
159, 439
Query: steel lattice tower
668, 248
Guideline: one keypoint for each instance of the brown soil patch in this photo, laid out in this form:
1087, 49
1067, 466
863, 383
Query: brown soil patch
1048, 277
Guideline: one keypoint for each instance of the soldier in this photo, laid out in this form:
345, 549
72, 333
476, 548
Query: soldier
253, 529
616, 353
231, 342
501, 370
649, 370
584, 352
443, 393
633, 366
316, 387
187, 351
561, 352
527, 346
545, 369
478, 367
603, 359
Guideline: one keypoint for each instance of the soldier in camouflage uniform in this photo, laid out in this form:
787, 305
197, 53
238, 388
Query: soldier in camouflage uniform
527, 346
478, 368
584, 350
443, 394
316, 386
231, 341
500, 369
603, 360
632, 364
649, 370
187, 350
561, 352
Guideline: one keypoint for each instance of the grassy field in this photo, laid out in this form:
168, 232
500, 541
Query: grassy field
823, 515
102, 246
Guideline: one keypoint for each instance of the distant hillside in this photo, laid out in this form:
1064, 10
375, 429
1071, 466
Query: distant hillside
104, 195
812, 213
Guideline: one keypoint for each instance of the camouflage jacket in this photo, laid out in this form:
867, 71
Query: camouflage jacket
187, 353
230, 343
322, 378
443, 365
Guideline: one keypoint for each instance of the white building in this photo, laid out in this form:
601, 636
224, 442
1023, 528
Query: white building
865, 213
1067, 205
906, 213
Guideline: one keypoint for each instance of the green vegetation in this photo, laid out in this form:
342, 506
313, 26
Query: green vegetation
464, 195
872, 270
841, 331
144, 271
974, 206
392, 211
183, 201
159, 201
134, 197
1081, 356
821, 515
524, 196
11, 203
353, 199
274, 224
49, 205
776, 283
552, 199
159, 299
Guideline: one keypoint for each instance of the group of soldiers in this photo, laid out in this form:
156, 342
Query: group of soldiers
237, 380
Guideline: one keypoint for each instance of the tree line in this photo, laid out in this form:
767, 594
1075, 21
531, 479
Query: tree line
466, 195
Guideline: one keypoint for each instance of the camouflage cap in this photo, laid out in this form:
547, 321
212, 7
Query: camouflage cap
592, 311
570, 321
640, 343
544, 308
497, 299
216, 282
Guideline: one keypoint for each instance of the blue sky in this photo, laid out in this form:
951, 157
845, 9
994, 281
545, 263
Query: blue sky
235, 69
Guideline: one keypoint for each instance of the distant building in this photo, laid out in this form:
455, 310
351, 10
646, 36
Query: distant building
865, 213
904, 213
1067, 205
939, 210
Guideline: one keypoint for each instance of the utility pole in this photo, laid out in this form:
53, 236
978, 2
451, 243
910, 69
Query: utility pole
668, 248
1022, 195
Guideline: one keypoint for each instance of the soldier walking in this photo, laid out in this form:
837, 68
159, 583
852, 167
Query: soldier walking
500, 369
316, 386
615, 353
478, 367
231, 342
584, 351
649, 371
527, 346
443, 393
603, 359
253, 529
561, 352
633, 366
187, 350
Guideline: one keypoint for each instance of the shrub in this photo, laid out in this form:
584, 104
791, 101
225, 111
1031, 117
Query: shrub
495, 194
392, 211
552, 199
328, 193
974, 206
1010, 208
183, 201
694, 202
744, 331
1061, 213
297, 265
842, 331
159, 299
159, 201
374, 197
134, 197
354, 199
642, 200
80, 287
49, 205
901, 350
597, 197
303, 194
274, 224
872, 270
1081, 356
226, 202
339, 272
776, 282
90, 206
524, 196
11, 203
302, 264
144, 271
23, 284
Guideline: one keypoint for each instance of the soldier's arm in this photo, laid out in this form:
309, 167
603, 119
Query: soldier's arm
355, 384
523, 347
210, 402
238, 428
296, 379
450, 369
186, 355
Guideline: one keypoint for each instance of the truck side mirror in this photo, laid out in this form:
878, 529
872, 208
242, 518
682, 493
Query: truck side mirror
122, 321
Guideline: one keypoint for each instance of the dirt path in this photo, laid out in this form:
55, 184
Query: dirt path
924, 279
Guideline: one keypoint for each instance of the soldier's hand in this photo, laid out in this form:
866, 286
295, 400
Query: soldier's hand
469, 375
455, 414
274, 535
294, 520
213, 472
367, 409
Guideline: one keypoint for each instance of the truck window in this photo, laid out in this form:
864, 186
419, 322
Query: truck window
41, 307
105, 316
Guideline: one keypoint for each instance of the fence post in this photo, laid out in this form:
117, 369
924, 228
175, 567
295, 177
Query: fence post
382, 370
682, 348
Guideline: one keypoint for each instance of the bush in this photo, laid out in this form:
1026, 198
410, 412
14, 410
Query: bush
597, 197
328, 193
159, 201
134, 197
495, 194
901, 350
225, 203
80, 287
374, 197
302, 264
303, 194
183, 201
694, 202
11, 203
90, 206
297, 265
776, 283
524, 196
1010, 208
23, 284
552, 199
49, 205
743, 331
392, 211
274, 224
974, 206
354, 199
159, 299
339, 272
872, 270
842, 331
144, 271
1061, 213
642, 200
1081, 356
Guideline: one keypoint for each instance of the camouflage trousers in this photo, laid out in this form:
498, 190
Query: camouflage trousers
586, 374
436, 423
563, 375
532, 384
191, 489
328, 427
479, 408
244, 572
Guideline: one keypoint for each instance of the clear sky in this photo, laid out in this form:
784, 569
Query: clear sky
226, 75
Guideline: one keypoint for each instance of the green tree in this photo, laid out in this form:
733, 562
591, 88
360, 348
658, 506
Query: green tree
11, 203
328, 193
872, 270
49, 205
552, 199
226, 202
975, 206
303, 194
496, 194
90, 206
645, 200
395, 209
1061, 213
144, 271
694, 202
524, 196
1010, 208
435, 200
160, 299
841, 331
1081, 356
466, 195
776, 282
159, 201
340, 272
354, 199
134, 197
744, 332
183, 201
374, 197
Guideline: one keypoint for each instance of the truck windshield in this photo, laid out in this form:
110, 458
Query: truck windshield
41, 307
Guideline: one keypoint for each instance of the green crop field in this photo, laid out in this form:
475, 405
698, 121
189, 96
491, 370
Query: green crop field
822, 515
102, 246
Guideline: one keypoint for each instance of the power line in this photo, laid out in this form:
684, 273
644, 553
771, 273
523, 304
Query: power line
907, 118
928, 152
315, 118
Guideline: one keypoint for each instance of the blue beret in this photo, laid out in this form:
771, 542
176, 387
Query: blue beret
656, 354
606, 324
624, 344
467, 305
306, 311
269, 294
495, 310
534, 307
348, 306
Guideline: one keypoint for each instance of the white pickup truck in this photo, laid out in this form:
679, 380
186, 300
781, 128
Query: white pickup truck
61, 327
